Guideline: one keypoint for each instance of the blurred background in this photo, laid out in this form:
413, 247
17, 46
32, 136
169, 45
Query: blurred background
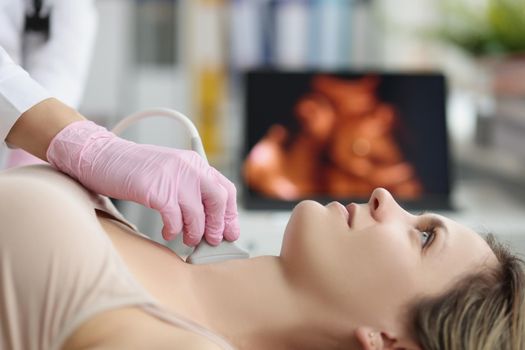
191, 55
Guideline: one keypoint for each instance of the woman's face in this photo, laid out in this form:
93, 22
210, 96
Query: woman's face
369, 260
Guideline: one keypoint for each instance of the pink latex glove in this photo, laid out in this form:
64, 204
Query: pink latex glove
190, 195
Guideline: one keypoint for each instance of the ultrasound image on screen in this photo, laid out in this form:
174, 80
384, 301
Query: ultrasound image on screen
339, 136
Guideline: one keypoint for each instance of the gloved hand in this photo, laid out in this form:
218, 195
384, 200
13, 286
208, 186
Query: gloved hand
189, 194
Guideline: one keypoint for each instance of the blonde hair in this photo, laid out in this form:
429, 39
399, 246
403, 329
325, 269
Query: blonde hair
484, 311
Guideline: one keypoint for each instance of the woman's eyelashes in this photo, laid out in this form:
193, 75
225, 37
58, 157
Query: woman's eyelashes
428, 234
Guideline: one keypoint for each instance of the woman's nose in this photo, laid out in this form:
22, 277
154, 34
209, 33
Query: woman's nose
383, 206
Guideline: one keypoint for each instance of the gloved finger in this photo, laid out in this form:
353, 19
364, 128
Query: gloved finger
231, 220
192, 220
214, 198
172, 220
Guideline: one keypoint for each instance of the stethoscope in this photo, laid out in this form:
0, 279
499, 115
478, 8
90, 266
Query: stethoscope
38, 20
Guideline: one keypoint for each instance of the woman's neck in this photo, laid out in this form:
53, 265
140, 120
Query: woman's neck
254, 305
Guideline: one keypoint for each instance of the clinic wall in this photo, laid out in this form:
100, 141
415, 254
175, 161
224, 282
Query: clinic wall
103, 97
117, 86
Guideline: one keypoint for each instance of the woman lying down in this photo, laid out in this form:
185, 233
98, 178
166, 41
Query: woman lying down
75, 274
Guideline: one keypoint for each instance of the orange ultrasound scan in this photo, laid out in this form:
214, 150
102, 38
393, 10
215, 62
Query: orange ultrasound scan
337, 137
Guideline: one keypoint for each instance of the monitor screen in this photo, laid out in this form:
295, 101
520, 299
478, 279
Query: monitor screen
337, 136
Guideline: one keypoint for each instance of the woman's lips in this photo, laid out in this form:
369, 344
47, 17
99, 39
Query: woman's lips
351, 208
342, 209
348, 211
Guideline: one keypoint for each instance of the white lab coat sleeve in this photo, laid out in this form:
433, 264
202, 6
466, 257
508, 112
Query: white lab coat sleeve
18, 93
61, 63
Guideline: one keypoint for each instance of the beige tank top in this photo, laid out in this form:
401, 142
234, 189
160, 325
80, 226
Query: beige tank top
58, 268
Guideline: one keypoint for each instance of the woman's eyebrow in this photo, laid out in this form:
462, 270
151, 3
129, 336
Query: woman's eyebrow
433, 220
436, 221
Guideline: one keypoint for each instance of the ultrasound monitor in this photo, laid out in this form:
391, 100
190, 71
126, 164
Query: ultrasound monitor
338, 135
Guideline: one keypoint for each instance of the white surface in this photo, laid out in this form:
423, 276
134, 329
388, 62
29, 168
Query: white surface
487, 208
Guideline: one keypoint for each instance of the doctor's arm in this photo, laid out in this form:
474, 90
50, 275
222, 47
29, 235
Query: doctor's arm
36, 127
190, 196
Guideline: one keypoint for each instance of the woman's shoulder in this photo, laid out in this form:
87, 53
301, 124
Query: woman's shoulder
42, 180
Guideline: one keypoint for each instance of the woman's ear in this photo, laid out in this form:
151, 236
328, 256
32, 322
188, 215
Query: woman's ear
369, 338
372, 339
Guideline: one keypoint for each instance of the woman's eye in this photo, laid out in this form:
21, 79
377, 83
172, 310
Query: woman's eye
426, 237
